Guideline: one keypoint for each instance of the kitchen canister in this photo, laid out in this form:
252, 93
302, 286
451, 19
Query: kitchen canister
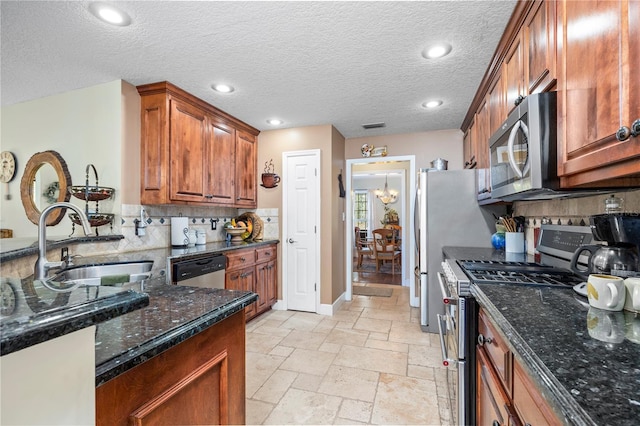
179, 231
201, 238
514, 242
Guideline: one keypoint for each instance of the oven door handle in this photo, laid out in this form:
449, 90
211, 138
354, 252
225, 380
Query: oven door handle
446, 298
446, 361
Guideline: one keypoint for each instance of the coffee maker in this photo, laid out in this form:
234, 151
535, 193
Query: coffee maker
620, 256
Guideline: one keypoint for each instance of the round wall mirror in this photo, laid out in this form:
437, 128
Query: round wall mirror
44, 182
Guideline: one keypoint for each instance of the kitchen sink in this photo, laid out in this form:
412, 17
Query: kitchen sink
107, 274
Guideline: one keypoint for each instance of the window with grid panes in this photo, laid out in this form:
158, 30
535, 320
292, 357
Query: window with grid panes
361, 209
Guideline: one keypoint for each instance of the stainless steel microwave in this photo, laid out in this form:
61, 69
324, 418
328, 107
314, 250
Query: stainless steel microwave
523, 153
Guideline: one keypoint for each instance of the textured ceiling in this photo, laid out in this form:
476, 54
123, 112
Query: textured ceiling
307, 63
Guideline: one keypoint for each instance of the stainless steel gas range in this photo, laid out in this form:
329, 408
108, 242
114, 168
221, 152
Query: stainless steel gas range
458, 325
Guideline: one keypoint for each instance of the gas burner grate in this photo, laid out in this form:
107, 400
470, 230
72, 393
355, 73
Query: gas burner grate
518, 273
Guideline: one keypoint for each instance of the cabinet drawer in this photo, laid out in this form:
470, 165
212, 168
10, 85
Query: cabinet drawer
240, 259
497, 351
265, 254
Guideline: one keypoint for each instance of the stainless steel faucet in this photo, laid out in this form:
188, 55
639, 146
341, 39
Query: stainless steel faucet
42, 264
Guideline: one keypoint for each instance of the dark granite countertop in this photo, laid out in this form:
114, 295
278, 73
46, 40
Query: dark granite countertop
27, 247
34, 314
585, 361
125, 338
174, 314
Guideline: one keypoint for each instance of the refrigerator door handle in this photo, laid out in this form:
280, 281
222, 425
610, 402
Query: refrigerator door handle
416, 221
446, 297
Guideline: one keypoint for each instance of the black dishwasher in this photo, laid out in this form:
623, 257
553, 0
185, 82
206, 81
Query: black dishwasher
204, 271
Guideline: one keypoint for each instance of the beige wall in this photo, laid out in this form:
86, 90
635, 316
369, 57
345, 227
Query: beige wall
271, 145
426, 146
338, 255
84, 127
130, 176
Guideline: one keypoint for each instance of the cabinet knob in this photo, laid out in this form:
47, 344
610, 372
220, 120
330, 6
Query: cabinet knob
623, 133
208, 197
242, 259
495, 423
635, 128
482, 340
518, 100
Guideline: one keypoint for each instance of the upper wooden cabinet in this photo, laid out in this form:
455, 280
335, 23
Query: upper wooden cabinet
590, 53
513, 72
194, 153
598, 51
539, 41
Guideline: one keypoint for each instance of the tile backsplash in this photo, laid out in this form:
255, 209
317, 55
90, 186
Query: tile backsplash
574, 211
157, 221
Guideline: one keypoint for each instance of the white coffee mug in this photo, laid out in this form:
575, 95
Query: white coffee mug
606, 326
606, 292
632, 297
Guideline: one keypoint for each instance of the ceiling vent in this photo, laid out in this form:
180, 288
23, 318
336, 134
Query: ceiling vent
373, 125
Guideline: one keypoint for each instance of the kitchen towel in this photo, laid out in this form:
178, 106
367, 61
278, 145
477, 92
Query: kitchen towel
179, 231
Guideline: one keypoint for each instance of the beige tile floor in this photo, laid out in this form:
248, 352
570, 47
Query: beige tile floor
368, 364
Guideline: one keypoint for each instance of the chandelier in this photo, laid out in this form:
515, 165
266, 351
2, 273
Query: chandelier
386, 196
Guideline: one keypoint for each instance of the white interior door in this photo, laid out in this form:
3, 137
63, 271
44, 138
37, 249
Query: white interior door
301, 227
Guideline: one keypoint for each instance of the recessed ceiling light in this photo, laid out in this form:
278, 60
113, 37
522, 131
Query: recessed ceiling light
437, 51
432, 104
110, 14
222, 88
275, 122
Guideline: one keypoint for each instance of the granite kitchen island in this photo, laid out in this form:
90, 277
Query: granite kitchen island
182, 340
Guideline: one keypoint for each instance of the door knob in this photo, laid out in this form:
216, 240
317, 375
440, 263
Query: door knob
291, 241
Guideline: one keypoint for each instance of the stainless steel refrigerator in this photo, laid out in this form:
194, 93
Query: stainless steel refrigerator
447, 214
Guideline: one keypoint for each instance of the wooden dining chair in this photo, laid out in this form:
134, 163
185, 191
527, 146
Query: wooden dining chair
363, 247
385, 248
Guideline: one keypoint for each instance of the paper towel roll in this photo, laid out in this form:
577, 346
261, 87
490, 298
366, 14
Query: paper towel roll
179, 231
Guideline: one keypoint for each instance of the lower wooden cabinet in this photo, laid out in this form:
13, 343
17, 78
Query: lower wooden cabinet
199, 381
529, 403
492, 402
254, 270
506, 395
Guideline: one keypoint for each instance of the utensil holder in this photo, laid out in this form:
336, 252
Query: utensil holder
514, 242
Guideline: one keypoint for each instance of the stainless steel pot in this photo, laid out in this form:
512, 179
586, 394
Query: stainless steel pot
439, 164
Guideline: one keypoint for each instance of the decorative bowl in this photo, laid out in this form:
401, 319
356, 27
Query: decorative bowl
236, 233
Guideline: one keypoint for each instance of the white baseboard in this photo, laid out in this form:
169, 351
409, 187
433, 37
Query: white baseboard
333, 308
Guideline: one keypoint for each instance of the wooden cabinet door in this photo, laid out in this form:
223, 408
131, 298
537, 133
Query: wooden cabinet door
598, 90
187, 150
246, 174
219, 164
539, 34
491, 401
497, 106
469, 147
243, 279
530, 405
483, 135
262, 282
272, 282
513, 74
